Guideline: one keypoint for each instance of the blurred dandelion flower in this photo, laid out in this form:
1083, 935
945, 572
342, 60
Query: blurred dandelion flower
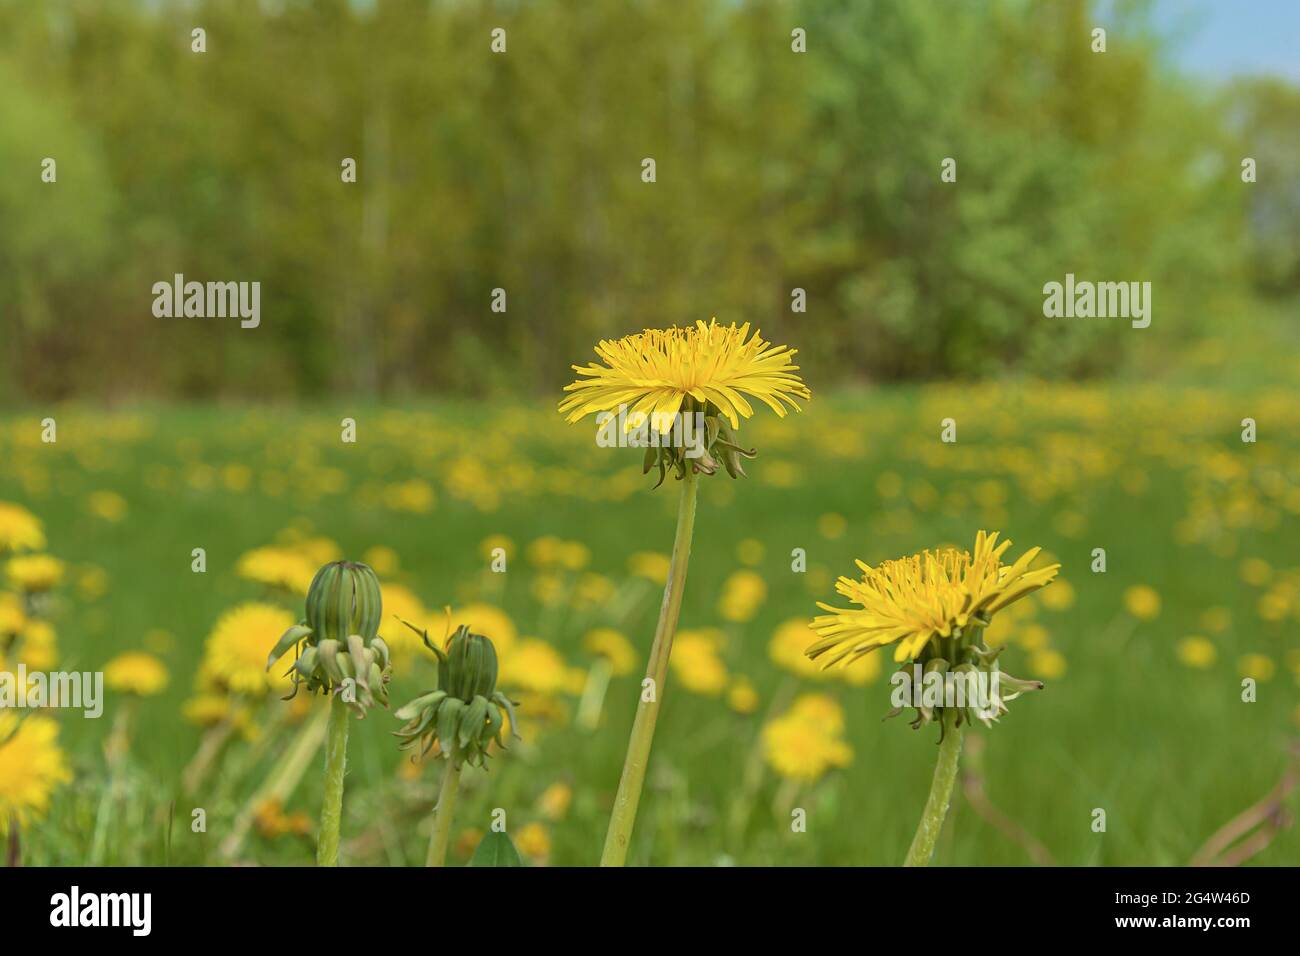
274, 567
742, 697
20, 530
743, 593
1197, 652
806, 741
32, 765
235, 652
1143, 602
108, 505
34, 573
136, 672
610, 644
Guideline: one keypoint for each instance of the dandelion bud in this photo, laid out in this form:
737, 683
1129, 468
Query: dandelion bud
340, 637
465, 712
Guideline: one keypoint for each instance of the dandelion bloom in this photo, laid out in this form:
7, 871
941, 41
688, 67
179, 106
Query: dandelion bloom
136, 672
610, 644
19, 529
696, 662
1142, 602
912, 601
1198, 652
275, 567
235, 653
31, 766
805, 742
34, 573
654, 372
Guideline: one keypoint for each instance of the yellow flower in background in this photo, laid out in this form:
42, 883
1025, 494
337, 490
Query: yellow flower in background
32, 765
1197, 652
610, 644
1142, 602
545, 552
654, 372
92, 582
276, 567
806, 742
415, 496
1047, 664
788, 650
1032, 637
593, 590
1256, 572
554, 801
742, 595
1059, 597
401, 604
39, 647
12, 616
235, 652
20, 530
832, 526
108, 505
534, 665
382, 559
696, 662
912, 601
34, 573
742, 697
136, 672
533, 840
650, 565
750, 551
1258, 666
1216, 619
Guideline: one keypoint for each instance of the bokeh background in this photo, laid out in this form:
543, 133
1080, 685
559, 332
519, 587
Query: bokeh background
775, 171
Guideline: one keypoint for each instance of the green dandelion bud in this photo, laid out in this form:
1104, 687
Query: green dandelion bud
465, 713
341, 651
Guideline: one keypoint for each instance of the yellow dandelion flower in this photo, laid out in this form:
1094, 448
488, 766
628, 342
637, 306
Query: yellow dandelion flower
1198, 652
750, 551
742, 594
1060, 596
832, 526
39, 647
32, 765
1047, 664
801, 745
696, 663
235, 652
656, 371
136, 672
382, 559
1256, 572
12, 616
534, 665
34, 573
489, 545
651, 565
20, 530
554, 801
912, 601
108, 505
274, 567
1142, 602
1258, 666
610, 644
533, 840
742, 697
1216, 619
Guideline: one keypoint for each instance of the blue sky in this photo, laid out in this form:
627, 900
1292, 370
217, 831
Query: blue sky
1218, 39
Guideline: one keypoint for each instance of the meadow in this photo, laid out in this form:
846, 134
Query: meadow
1142, 715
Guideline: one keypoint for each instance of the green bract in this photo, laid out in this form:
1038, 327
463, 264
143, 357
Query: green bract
464, 712
342, 652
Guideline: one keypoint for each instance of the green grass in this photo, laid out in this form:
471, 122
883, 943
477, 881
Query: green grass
1170, 753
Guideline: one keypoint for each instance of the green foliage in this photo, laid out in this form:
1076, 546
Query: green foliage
522, 171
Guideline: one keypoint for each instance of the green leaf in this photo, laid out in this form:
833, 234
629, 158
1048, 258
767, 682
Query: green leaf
496, 849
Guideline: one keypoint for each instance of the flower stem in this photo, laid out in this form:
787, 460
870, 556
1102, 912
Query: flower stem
336, 759
643, 728
936, 807
442, 816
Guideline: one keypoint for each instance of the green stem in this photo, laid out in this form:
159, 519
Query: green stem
336, 759
936, 807
442, 816
643, 728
